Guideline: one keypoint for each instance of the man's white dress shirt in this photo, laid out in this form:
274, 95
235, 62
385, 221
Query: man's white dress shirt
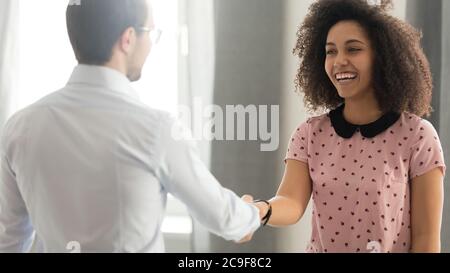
90, 163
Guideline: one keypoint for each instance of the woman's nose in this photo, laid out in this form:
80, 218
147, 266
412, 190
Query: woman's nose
340, 60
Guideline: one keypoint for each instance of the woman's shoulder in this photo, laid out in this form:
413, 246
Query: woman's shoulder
418, 128
313, 125
415, 123
315, 121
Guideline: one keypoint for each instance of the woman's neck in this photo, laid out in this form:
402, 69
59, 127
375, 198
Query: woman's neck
363, 111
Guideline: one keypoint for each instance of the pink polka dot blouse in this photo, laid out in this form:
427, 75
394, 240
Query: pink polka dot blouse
361, 176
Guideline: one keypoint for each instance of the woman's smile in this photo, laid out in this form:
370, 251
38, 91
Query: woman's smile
346, 78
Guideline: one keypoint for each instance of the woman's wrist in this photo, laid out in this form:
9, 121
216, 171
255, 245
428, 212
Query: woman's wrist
265, 210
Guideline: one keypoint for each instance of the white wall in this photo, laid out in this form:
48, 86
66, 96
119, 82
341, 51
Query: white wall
399, 9
295, 238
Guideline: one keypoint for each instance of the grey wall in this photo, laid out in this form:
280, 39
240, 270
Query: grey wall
427, 16
445, 116
432, 17
247, 71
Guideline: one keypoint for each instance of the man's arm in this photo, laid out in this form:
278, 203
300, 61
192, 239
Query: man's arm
220, 210
16, 231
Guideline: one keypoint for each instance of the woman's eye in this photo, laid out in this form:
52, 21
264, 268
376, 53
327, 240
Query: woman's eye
330, 52
354, 49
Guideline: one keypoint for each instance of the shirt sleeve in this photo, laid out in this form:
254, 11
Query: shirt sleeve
426, 152
16, 231
298, 144
184, 175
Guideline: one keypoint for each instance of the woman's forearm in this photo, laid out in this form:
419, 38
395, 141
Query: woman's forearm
426, 244
285, 211
292, 198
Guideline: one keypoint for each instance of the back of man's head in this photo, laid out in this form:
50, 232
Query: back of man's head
94, 26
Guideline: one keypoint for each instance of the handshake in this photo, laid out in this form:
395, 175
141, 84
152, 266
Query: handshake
265, 211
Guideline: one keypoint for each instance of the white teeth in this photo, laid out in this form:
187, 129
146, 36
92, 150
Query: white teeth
345, 76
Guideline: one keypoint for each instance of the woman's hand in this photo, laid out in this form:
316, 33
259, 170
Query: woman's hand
262, 207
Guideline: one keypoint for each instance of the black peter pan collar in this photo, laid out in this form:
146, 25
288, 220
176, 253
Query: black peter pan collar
347, 130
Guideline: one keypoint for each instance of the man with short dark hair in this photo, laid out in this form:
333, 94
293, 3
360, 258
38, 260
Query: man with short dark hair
97, 29
91, 166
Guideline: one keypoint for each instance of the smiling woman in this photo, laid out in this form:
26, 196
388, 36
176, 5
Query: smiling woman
396, 51
372, 165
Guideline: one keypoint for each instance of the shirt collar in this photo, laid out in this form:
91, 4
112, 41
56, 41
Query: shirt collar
346, 130
103, 77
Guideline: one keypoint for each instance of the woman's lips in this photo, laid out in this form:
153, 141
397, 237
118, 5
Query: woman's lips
346, 80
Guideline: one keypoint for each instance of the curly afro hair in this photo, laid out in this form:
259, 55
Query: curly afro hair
401, 74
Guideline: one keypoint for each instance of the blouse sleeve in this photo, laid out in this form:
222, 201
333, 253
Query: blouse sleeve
426, 153
298, 144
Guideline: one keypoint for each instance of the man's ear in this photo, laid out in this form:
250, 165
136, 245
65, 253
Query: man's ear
127, 40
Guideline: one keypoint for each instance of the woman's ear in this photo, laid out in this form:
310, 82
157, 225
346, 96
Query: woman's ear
127, 41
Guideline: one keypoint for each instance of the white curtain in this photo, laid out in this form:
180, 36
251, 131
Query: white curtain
9, 18
197, 49
197, 64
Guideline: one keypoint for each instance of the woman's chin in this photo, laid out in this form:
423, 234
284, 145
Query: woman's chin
347, 93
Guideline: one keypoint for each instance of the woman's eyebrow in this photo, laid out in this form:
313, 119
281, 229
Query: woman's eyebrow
347, 42
354, 41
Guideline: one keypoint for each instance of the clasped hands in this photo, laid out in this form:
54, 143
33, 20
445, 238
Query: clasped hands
263, 210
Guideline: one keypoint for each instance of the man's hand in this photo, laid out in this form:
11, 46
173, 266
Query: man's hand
263, 209
248, 199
